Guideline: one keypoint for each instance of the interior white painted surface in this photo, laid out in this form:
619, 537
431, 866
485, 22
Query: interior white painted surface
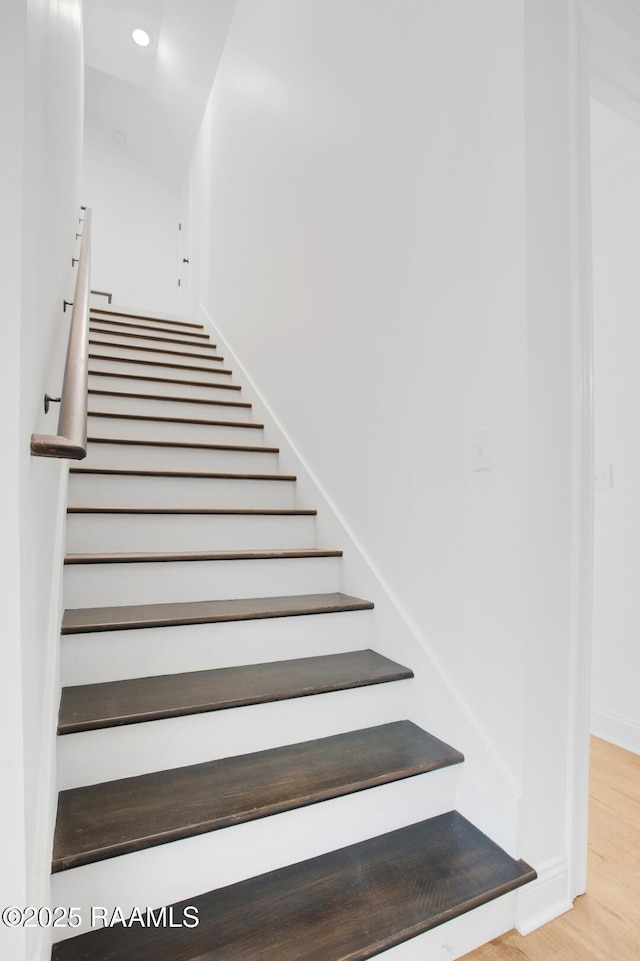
377, 262
42, 46
395, 274
13, 877
547, 669
616, 240
369, 272
154, 96
135, 225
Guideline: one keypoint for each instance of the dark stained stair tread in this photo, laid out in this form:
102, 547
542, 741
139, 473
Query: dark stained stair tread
148, 327
155, 363
164, 419
117, 817
160, 557
220, 475
96, 342
182, 445
87, 707
131, 395
160, 380
244, 511
150, 335
81, 620
146, 317
206, 475
148, 349
353, 903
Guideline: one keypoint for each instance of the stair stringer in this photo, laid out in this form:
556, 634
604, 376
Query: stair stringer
487, 794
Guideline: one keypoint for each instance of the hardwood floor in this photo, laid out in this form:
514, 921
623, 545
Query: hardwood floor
604, 924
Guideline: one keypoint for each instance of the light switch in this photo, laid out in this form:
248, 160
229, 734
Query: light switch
481, 452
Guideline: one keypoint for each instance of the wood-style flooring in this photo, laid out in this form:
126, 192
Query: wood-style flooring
604, 924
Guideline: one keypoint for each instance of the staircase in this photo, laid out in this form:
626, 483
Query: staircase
232, 749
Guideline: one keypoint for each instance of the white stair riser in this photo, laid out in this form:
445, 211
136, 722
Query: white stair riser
188, 532
183, 869
100, 347
112, 403
165, 387
137, 429
91, 757
104, 585
162, 321
108, 490
113, 342
169, 368
115, 655
130, 457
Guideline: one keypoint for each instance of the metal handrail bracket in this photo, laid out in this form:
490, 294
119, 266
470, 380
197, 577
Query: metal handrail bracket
71, 439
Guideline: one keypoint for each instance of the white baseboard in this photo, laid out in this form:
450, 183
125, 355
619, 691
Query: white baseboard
621, 731
546, 898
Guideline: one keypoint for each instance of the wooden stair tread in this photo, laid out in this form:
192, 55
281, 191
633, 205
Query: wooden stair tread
87, 707
84, 620
131, 395
353, 903
151, 557
151, 350
243, 511
209, 475
166, 419
178, 382
155, 363
117, 817
186, 445
123, 323
155, 335
151, 317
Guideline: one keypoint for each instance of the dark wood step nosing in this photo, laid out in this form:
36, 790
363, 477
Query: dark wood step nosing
199, 422
181, 511
210, 796
88, 707
142, 616
197, 475
351, 903
159, 380
162, 330
151, 317
183, 445
162, 398
155, 363
149, 350
157, 557
154, 335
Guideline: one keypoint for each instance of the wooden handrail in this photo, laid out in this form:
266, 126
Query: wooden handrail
71, 439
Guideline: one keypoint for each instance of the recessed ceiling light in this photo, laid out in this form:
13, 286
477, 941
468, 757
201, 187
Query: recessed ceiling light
141, 37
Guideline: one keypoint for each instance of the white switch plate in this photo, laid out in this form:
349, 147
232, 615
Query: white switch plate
481, 449
603, 476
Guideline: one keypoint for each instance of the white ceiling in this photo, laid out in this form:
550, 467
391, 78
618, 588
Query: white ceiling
151, 100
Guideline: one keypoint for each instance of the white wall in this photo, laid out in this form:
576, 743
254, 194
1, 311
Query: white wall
380, 228
13, 877
41, 98
135, 225
616, 242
